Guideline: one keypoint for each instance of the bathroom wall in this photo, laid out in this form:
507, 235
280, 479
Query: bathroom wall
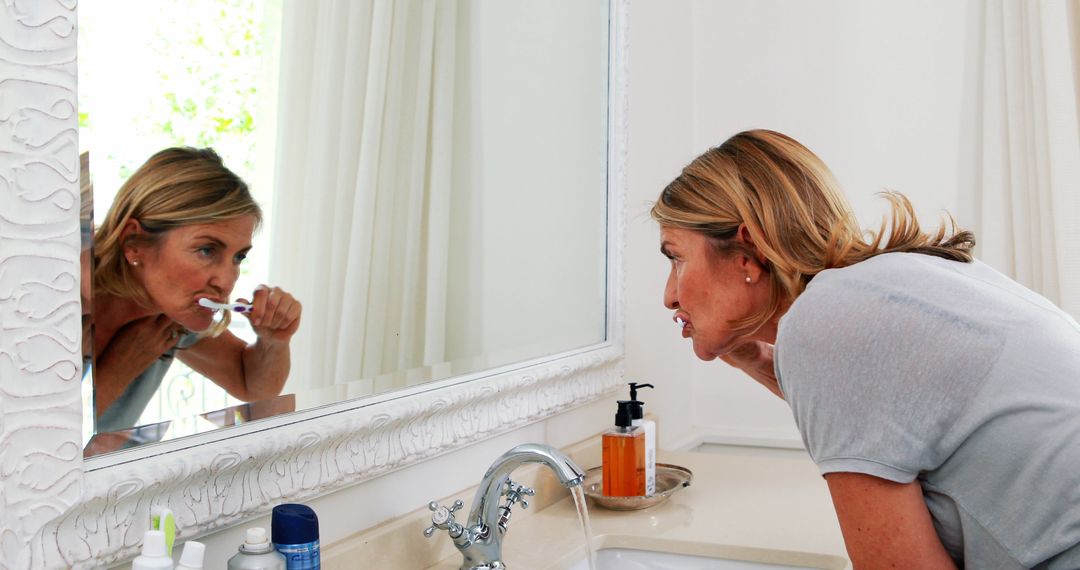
873, 87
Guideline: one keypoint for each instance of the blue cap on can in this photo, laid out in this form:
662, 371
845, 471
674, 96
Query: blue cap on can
292, 523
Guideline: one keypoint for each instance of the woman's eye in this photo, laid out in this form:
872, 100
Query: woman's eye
240, 257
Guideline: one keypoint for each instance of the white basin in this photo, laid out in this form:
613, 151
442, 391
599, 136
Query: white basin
632, 559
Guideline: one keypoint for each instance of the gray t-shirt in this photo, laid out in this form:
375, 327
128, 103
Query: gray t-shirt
909, 366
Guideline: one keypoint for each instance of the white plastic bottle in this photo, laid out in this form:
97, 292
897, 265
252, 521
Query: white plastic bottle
649, 427
191, 558
155, 556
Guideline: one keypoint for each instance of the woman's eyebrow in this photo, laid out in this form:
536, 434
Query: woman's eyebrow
219, 242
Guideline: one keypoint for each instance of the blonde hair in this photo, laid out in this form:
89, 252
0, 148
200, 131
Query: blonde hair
176, 187
798, 219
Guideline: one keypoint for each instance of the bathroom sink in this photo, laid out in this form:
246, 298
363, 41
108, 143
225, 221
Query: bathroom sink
635, 559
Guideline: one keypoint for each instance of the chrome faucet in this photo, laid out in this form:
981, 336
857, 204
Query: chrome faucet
480, 539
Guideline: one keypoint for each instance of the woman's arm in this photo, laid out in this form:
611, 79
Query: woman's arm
257, 371
247, 372
886, 524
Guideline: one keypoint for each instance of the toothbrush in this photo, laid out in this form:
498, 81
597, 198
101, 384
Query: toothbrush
161, 518
236, 307
680, 322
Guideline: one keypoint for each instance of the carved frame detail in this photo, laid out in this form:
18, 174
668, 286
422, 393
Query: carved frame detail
60, 512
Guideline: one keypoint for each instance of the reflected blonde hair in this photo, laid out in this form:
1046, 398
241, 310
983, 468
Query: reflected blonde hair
176, 187
798, 219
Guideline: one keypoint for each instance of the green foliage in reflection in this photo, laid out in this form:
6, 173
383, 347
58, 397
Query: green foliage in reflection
209, 75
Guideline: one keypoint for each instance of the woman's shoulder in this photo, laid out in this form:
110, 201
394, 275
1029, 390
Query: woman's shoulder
886, 266
834, 285
859, 296
904, 274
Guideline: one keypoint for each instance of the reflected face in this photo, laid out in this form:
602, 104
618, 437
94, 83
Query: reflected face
706, 290
193, 262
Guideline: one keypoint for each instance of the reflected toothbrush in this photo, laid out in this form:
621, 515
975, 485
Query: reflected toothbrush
234, 307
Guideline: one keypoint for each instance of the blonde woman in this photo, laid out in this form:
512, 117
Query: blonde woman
176, 233
940, 399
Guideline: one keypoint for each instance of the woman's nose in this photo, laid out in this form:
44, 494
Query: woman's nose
671, 298
224, 278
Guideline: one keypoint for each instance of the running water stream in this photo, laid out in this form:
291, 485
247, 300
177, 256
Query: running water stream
583, 515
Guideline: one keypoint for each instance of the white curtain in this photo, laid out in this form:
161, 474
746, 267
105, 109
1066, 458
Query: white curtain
1022, 166
362, 183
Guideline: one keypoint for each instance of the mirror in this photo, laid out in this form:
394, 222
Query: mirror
65, 512
432, 176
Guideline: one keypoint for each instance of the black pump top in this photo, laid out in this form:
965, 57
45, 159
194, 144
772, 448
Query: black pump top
634, 388
637, 408
625, 416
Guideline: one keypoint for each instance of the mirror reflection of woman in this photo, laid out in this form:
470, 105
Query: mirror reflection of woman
177, 232
939, 398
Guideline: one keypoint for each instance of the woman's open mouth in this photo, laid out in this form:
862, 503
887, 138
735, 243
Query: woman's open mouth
683, 324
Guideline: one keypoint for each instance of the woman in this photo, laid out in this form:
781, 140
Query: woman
940, 399
176, 233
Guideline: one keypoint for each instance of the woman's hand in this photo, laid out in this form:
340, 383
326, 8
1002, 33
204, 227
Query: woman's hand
756, 359
140, 342
256, 371
275, 314
131, 351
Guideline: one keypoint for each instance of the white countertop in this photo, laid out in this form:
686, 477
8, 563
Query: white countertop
765, 505
775, 503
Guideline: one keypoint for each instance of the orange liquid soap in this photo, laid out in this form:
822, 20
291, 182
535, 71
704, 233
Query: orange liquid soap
623, 472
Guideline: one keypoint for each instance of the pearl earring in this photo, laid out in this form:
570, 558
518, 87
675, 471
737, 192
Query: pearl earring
135, 262
747, 278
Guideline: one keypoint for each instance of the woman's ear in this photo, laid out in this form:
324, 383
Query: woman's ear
132, 229
753, 262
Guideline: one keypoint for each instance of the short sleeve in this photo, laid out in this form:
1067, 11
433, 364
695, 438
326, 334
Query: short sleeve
877, 378
187, 340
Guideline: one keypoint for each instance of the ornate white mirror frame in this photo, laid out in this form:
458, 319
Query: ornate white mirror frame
58, 511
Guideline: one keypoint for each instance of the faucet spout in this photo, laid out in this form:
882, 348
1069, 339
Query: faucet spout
488, 518
567, 471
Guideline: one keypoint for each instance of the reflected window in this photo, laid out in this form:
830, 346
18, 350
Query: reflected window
201, 79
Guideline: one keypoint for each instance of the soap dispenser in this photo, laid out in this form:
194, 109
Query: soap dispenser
623, 471
649, 428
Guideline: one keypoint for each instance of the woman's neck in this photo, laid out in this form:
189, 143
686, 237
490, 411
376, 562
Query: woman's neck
768, 330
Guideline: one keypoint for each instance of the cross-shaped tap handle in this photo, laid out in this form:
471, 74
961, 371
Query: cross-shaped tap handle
443, 518
514, 493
